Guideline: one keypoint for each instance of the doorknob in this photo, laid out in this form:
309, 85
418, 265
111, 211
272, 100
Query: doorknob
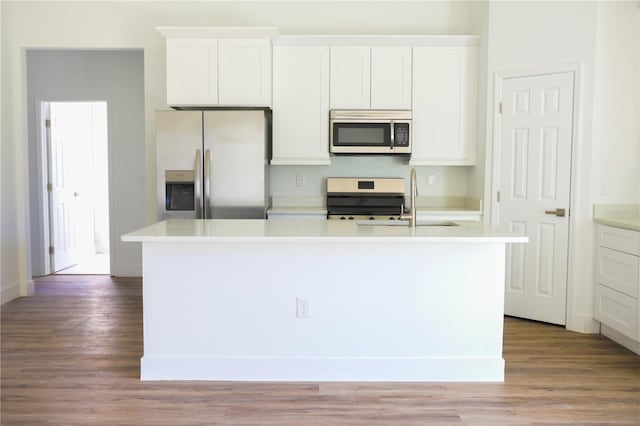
76, 194
557, 212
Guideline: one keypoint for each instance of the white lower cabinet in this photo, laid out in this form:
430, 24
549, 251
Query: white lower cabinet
300, 105
618, 280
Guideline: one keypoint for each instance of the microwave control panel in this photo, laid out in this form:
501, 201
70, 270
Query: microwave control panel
401, 134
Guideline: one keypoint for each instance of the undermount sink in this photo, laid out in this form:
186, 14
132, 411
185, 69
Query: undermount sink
405, 223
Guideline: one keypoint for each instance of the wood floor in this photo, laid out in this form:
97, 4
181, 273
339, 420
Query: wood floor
70, 356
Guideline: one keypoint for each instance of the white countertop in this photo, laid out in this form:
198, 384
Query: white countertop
219, 230
626, 216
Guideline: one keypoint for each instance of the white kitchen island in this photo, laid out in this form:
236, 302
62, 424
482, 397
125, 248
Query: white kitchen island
317, 300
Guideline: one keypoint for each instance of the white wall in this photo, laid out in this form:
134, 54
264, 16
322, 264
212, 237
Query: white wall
615, 166
114, 25
115, 76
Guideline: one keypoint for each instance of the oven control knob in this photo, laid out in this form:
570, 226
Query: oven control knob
342, 218
392, 218
372, 218
350, 217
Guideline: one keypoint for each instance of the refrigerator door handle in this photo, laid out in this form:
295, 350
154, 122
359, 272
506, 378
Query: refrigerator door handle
198, 185
207, 184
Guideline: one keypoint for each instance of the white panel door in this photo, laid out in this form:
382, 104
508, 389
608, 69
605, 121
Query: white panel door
391, 77
350, 77
244, 67
535, 167
70, 148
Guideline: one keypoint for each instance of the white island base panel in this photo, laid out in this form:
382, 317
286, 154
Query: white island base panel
412, 310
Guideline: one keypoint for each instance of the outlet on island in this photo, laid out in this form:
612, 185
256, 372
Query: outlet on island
299, 179
302, 307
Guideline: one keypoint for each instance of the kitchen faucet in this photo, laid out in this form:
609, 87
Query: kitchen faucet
414, 192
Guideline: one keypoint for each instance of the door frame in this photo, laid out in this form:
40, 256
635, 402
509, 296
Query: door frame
576, 143
42, 178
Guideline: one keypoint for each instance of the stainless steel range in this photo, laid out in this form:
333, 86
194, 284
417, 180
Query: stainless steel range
365, 198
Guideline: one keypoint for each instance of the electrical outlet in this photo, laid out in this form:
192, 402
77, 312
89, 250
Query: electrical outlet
299, 179
302, 307
431, 180
604, 187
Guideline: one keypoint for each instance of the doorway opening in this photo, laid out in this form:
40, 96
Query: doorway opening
77, 186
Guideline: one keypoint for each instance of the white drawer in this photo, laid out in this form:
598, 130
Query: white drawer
617, 310
619, 239
620, 271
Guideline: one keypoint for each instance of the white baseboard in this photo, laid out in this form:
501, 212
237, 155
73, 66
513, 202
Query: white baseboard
621, 339
127, 270
583, 324
323, 369
13, 291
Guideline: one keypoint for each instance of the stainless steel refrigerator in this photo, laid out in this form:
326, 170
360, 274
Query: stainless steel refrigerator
213, 164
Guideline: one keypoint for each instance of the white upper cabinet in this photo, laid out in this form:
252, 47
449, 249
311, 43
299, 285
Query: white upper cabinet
225, 66
301, 105
350, 77
391, 77
192, 71
364, 77
444, 105
244, 72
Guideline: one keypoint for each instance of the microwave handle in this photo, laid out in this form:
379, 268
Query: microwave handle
393, 134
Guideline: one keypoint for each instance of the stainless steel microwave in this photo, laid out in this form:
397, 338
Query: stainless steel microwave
370, 132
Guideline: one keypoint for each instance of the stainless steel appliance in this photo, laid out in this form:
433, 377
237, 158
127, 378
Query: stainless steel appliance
370, 131
365, 198
213, 163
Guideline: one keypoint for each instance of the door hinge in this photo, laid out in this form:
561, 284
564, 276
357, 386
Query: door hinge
499, 107
51, 250
47, 123
498, 196
49, 187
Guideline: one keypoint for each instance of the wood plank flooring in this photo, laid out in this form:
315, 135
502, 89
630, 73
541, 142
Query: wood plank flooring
70, 356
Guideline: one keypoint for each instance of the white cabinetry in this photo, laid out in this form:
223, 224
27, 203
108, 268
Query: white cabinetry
300, 105
218, 66
444, 105
192, 71
350, 77
377, 77
391, 77
244, 72
618, 280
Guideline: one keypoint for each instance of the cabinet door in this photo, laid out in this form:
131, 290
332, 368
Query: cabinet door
620, 271
350, 77
391, 77
444, 105
244, 72
301, 105
192, 71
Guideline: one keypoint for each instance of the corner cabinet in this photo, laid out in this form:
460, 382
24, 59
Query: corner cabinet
618, 284
218, 66
445, 86
300, 105
376, 77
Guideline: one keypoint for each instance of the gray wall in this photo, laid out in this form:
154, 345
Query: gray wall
116, 76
